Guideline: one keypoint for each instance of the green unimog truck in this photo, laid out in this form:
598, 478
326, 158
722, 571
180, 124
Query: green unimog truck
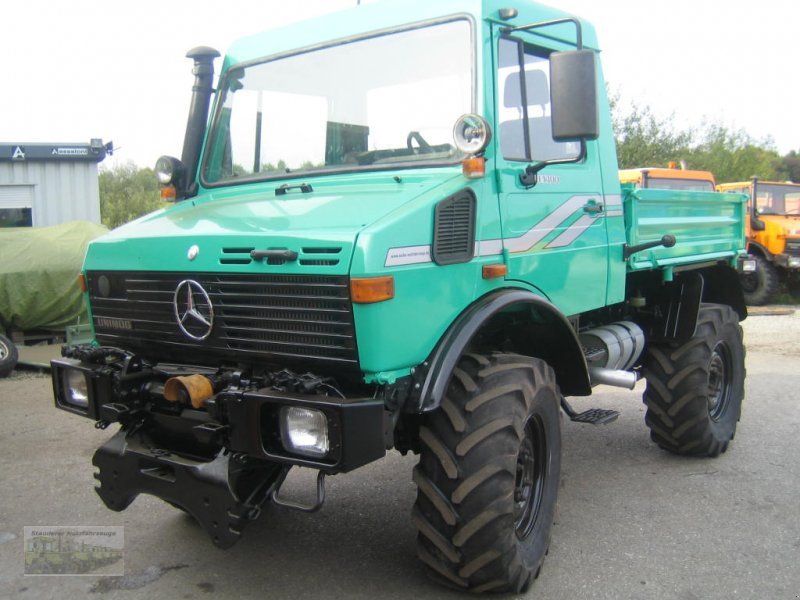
400, 226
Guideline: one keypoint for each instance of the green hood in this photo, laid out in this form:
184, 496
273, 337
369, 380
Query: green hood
225, 224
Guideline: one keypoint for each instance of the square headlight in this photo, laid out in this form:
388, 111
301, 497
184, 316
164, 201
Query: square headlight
79, 388
749, 265
75, 388
304, 431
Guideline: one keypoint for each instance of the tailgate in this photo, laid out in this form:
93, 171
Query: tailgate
706, 225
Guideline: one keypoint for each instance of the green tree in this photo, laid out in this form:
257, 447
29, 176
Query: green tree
732, 155
645, 140
790, 166
127, 192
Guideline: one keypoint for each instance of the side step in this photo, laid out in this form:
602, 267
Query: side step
594, 416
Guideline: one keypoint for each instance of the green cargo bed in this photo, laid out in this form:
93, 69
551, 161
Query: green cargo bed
707, 226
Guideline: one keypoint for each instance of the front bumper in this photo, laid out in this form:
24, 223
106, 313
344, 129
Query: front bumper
787, 261
237, 419
220, 462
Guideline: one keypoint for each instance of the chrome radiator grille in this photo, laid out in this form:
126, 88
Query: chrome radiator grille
256, 318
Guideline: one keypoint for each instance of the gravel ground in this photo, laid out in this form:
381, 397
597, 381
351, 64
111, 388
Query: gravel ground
634, 522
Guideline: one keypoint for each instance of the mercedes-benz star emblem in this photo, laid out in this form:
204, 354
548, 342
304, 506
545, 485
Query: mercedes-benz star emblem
193, 310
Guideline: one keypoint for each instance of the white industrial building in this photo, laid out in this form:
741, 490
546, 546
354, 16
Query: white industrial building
48, 184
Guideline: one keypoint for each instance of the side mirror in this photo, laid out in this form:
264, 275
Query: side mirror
757, 224
573, 95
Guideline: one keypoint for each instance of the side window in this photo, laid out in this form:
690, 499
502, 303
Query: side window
765, 201
16, 217
744, 190
16, 203
791, 203
526, 132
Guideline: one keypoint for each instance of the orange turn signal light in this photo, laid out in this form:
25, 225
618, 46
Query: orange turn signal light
367, 290
473, 167
494, 271
168, 193
82, 283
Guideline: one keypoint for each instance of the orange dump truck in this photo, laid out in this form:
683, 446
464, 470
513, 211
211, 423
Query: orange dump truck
773, 235
669, 178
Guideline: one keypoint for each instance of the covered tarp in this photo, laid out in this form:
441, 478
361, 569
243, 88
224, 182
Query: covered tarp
39, 268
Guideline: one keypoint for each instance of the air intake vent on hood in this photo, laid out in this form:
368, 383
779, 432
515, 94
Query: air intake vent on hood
236, 256
454, 229
326, 257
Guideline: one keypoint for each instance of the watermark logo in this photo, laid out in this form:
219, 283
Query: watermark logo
60, 550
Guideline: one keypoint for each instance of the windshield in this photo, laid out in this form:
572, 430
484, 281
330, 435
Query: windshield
692, 185
390, 100
777, 199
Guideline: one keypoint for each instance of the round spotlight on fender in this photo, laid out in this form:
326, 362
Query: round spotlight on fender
168, 170
472, 133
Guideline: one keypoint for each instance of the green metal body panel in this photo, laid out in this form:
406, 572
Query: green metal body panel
706, 225
383, 221
339, 208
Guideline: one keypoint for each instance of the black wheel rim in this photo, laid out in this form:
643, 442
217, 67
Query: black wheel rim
530, 478
720, 373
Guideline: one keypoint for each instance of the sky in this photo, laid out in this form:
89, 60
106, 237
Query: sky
80, 69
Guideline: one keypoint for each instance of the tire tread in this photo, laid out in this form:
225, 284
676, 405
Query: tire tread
676, 395
466, 476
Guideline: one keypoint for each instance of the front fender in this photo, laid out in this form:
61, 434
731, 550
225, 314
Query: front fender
508, 320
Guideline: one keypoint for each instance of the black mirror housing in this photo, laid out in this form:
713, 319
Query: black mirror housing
573, 95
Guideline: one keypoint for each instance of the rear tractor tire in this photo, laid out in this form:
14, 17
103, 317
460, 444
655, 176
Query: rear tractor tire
695, 388
488, 475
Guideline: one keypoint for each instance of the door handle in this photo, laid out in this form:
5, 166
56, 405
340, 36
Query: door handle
593, 207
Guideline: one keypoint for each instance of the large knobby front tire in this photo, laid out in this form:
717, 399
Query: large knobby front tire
695, 389
760, 286
488, 475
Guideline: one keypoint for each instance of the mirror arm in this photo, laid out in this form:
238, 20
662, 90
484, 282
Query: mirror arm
528, 28
529, 177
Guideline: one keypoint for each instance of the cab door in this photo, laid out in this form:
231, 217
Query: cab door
554, 232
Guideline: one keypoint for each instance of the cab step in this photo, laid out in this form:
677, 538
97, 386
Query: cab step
593, 416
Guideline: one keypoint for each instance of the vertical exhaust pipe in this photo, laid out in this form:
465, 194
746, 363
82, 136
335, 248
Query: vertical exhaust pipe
202, 89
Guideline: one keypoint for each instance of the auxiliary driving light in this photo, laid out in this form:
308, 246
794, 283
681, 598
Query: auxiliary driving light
472, 134
80, 388
749, 265
304, 431
168, 170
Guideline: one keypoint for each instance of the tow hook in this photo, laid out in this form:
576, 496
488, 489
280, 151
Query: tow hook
297, 505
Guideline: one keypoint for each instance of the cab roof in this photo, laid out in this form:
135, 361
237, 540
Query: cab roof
636, 175
388, 14
748, 183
